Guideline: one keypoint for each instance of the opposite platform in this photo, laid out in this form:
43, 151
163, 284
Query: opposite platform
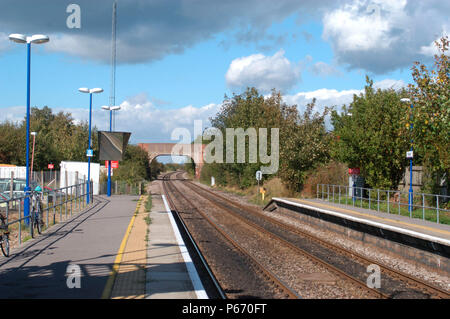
432, 239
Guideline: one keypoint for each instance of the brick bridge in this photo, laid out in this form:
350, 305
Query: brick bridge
194, 151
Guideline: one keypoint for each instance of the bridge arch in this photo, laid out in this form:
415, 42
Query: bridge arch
194, 151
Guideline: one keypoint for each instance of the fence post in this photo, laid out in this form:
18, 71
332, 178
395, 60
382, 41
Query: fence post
388, 202
339, 194
20, 223
76, 190
42, 179
437, 209
423, 206
317, 191
84, 191
378, 200
48, 211
11, 187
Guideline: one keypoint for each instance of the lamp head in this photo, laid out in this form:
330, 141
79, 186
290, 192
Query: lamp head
115, 108
18, 38
105, 107
39, 38
96, 90
83, 90
405, 100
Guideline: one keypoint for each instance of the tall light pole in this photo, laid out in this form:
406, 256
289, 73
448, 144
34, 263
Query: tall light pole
410, 155
23, 39
89, 152
32, 153
110, 109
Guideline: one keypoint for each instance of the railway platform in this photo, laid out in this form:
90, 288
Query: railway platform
419, 240
171, 273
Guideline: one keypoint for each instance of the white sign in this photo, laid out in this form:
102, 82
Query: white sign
410, 154
258, 175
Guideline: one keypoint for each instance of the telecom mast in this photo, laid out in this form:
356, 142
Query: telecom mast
112, 97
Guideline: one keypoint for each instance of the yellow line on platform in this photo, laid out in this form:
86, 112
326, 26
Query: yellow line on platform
112, 276
373, 216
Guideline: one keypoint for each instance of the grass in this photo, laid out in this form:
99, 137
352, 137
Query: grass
393, 208
148, 203
274, 188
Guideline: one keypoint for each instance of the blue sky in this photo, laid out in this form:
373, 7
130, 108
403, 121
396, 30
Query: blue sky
177, 59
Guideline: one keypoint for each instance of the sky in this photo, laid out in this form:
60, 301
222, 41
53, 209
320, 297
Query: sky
177, 59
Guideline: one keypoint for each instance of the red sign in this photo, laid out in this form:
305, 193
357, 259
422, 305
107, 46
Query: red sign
51, 166
354, 171
114, 164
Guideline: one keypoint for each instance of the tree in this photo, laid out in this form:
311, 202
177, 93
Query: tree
430, 96
134, 167
248, 111
305, 148
12, 144
370, 134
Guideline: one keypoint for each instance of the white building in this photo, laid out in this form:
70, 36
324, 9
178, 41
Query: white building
82, 168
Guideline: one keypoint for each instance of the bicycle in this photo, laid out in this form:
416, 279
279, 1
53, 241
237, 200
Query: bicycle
4, 236
36, 212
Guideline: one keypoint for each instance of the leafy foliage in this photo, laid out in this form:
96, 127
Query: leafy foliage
370, 134
58, 139
431, 112
302, 139
134, 167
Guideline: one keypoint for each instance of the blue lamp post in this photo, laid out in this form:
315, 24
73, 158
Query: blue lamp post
110, 109
89, 152
23, 39
410, 155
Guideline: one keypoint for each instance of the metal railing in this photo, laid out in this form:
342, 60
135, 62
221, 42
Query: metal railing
58, 205
123, 188
430, 207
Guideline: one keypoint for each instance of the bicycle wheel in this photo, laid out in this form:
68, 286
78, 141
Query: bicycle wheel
4, 243
39, 223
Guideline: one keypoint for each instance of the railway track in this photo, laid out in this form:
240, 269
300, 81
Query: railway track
270, 277
415, 283
361, 285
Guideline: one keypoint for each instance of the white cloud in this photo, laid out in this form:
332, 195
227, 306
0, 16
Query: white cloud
334, 98
263, 72
324, 97
390, 84
431, 49
5, 43
384, 35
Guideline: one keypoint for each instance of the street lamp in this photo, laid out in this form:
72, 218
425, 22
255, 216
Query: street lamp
23, 39
89, 152
110, 109
32, 154
410, 155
